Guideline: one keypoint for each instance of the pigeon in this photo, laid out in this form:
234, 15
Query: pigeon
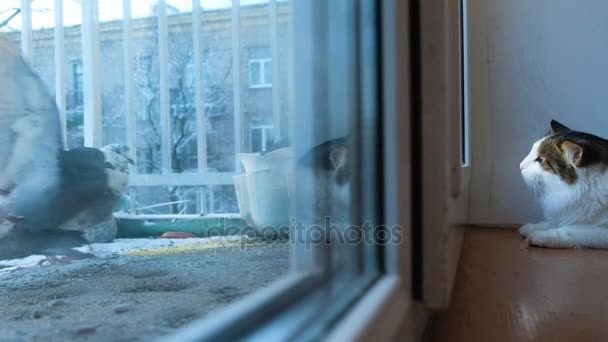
48, 196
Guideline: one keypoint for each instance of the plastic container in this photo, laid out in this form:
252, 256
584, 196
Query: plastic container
263, 192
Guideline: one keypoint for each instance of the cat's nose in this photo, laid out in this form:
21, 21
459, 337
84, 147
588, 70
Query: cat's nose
522, 166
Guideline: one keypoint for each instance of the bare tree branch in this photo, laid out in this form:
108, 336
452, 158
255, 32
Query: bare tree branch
6, 21
15, 13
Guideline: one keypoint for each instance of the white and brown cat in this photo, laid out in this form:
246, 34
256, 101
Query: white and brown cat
568, 170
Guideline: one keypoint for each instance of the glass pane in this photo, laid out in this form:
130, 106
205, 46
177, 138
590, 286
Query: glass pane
268, 73
254, 74
335, 142
173, 245
256, 140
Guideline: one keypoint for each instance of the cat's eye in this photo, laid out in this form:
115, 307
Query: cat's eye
539, 159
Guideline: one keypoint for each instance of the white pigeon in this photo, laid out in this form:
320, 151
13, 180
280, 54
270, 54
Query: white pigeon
48, 196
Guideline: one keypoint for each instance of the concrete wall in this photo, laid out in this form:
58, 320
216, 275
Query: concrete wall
530, 61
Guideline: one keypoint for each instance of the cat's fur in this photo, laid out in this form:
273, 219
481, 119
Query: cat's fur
328, 168
568, 170
331, 166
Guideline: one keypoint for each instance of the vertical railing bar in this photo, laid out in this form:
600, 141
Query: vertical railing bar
236, 80
129, 95
127, 46
90, 74
274, 53
26, 30
60, 69
165, 115
201, 135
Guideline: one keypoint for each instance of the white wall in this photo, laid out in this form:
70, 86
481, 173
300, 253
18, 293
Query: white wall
530, 61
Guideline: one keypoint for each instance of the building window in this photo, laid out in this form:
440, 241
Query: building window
260, 68
77, 83
260, 138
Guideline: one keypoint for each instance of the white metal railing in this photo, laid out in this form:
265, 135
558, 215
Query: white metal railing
91, 78
236, 82
199, 94
60, 69
165, 104
127, 46
26, 29
274, 54
92, 85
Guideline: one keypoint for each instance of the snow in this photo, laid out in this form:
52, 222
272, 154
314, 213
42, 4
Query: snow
117, 247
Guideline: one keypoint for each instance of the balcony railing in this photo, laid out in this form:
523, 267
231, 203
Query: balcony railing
92, 126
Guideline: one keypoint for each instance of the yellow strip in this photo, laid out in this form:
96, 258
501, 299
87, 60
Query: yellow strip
189, 248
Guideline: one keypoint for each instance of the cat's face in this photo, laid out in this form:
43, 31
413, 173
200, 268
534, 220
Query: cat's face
330, 164
563, 157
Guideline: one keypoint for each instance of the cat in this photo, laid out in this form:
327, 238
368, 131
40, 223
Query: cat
327, 172
330, 163
568, 170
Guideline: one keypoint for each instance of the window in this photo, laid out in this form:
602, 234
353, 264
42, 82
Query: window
260, 138
77, 98
260, 68
292, 237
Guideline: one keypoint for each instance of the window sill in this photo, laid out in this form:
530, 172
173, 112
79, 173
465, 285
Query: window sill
385, 313
261, 87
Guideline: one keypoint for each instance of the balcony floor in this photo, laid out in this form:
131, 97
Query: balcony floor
138, 296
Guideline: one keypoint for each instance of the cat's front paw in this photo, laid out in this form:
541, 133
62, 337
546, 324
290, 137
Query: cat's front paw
529, 228
553, 238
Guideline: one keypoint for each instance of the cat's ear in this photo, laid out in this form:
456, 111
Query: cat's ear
338, 157
557, 127
573, 153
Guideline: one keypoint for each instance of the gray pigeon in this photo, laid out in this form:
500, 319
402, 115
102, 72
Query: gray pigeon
48, 196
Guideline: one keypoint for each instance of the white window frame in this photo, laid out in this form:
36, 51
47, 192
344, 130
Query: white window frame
263, 63
388, 312
387, 307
